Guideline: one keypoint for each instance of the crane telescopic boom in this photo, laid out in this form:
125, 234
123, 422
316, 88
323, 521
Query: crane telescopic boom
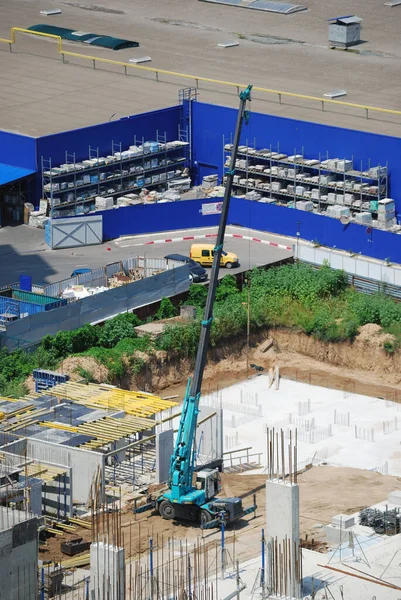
183, 499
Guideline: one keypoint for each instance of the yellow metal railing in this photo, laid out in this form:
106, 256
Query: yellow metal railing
280, 94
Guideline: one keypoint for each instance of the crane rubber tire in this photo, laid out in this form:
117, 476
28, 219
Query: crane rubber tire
205, 517
167, 510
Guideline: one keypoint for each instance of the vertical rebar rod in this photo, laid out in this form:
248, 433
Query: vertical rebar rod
262, 572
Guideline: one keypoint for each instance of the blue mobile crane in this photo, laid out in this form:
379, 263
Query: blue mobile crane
183, 499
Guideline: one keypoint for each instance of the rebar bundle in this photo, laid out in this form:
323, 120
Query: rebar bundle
387, 522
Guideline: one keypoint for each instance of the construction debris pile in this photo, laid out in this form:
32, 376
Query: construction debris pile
387, 522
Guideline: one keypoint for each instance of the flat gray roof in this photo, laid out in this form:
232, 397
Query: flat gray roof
40, 95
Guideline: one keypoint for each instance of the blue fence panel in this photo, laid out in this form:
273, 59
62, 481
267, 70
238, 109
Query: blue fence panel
187, 214
151, 218
314, 227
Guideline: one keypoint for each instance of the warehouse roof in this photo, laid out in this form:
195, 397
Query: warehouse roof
40, 95
9, 173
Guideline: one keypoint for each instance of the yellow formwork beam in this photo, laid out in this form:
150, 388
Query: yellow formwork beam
62, 426
136, 404
80, 522
96, 59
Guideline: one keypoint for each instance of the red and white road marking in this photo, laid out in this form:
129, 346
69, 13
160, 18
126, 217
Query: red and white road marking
213, 235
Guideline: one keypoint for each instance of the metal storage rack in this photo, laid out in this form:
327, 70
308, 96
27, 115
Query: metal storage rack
265, 170
73, 187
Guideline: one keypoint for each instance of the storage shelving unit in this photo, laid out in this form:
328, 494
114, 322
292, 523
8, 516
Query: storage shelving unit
286, 179
72, 188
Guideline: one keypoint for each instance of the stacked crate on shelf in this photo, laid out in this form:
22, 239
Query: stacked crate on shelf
79, 187
323, 181
386, 213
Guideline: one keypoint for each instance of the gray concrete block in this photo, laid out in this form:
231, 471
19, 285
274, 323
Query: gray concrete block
343, 521
334, 534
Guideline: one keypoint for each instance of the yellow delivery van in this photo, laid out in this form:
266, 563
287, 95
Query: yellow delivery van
203, 254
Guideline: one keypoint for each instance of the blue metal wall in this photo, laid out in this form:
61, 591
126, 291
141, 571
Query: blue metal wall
17, 150
210, 122
149, 218
324, 230
187, 214
101, 136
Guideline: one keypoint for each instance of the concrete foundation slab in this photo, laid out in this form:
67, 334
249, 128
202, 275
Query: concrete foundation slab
395, 498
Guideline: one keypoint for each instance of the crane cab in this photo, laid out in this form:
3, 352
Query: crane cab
210, 481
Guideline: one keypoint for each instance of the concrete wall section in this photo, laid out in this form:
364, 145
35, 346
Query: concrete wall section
209, 434
164, 450
18, 556
84, 464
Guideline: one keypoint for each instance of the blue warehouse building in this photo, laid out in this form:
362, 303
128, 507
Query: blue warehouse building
367, 162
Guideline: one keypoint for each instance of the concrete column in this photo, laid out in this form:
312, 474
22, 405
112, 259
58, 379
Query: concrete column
282, 529
107, 568
164, 450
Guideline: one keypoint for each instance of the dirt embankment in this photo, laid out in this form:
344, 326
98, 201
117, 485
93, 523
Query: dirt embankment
362, 367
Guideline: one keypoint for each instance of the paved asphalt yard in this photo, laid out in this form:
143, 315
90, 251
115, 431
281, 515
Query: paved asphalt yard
23, 251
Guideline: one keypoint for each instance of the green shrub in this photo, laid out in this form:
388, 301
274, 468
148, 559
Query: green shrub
167, 310
180, 340
86, 375
117, 329
197, 296
389, 346
227, 287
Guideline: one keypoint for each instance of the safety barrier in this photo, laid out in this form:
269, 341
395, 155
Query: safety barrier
280, 94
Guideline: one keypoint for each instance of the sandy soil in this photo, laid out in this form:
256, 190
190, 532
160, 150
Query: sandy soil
72, 364
324, 492
361, 368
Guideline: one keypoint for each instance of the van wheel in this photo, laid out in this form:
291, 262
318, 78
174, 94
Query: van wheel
229, 265
191, 278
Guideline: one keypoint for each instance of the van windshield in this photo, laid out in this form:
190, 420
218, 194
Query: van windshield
222, 252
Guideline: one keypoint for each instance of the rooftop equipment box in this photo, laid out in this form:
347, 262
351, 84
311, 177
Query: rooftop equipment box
344, 31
